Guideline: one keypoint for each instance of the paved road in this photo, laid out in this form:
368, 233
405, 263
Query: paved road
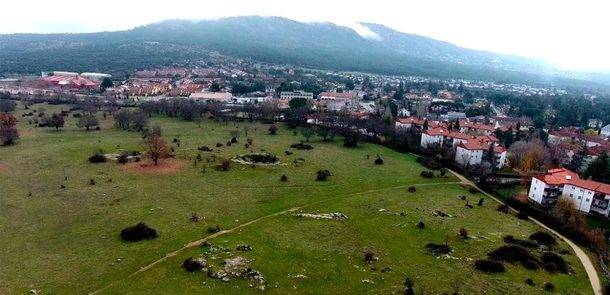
584, 258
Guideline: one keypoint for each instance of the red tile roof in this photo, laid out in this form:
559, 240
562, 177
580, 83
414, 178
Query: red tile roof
564, 176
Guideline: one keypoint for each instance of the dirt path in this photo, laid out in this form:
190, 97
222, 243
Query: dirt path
582, 256
197, 243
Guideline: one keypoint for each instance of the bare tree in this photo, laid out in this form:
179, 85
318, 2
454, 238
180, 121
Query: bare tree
156, 146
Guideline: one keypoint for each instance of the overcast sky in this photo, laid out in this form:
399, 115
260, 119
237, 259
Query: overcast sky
570, 34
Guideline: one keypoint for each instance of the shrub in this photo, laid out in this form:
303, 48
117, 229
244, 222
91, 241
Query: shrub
502, 208
530, 282
443, 171
322, 175
224, 165
378, 161
288, 153
429, 163
543, 238
301, 146
412, 189
218, 144
427, 174
548, 286
263, 158
481, 201
463, 233
408, 283
233, 140
514, 253
213, 229
530, 264
369, 256
97, 158
123, 158
438, 249
489, 266
553, 262
204, 148
523, 243
421, 225
273, 129
473, 190
138, 232
284, 178
192, 265
522, 215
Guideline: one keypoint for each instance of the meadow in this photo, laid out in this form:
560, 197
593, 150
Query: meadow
60, 217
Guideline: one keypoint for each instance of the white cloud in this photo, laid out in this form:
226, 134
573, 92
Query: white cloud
572, 34
364, 31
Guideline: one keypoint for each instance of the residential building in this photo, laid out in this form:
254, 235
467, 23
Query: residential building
588, 196
472, 153
212, 96
605, 131
288, 95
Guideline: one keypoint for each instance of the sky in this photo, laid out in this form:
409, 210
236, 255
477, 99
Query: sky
573, 35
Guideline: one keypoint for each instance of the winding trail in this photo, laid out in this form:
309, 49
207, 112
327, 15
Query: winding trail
198, 242
582, 256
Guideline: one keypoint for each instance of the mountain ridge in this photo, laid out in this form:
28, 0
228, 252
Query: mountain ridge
274, 39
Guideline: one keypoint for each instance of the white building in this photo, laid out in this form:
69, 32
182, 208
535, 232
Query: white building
606, 131
288, 95
587, 195
212, 96
433, 136
471, 153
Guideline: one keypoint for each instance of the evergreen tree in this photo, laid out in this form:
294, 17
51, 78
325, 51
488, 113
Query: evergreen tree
599, 169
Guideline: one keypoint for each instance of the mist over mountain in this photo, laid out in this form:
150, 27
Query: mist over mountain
275, 40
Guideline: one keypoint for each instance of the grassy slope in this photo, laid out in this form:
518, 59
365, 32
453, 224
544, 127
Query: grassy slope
66, 240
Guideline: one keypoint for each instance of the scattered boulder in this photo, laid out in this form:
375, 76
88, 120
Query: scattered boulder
421, 225
244, 247
412, 189
530, 282
288, 153
218, 144
138, 232
481, 201
257, 158
440, 213
330, 216
548, 286
284, 178
438, 249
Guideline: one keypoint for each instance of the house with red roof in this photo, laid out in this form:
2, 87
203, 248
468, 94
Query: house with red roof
588, 196
433, 136
471, 152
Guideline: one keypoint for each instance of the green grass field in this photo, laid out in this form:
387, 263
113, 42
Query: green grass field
66, 240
